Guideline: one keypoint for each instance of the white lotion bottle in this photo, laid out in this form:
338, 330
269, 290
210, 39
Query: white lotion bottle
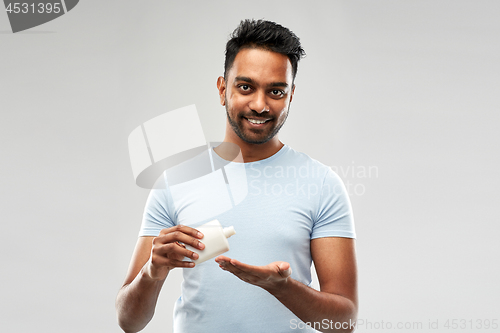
215, 240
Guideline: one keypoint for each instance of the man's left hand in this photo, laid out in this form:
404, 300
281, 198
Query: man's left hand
271, 277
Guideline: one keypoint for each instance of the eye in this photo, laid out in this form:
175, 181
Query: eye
277, 92
244, 87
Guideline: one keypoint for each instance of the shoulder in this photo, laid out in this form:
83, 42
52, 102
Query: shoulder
307, 165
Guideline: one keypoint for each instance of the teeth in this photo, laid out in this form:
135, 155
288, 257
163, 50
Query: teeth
254, 121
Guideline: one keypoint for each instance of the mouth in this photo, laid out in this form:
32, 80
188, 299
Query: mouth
257, 122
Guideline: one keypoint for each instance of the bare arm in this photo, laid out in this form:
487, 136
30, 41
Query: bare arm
337, 300
137, 298
151, 262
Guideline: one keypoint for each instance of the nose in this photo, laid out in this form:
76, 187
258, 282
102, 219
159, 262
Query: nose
259, 103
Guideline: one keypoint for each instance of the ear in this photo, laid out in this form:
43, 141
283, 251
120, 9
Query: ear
293, 91
221, 86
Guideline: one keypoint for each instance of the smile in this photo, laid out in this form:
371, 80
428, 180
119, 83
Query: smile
256, 121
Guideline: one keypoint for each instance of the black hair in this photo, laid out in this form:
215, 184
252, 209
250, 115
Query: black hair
266, 35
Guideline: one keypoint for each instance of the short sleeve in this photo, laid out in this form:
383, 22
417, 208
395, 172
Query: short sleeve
334, 216
156, 213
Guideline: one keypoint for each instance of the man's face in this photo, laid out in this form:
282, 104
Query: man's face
257, 94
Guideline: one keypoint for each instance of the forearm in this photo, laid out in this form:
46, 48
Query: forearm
318, 308
135, 303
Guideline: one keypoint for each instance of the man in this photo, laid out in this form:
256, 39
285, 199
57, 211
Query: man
296, 211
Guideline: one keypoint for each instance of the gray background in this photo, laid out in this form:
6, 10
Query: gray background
409, 88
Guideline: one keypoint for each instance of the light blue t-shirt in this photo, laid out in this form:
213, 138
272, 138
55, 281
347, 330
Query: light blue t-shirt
276, 205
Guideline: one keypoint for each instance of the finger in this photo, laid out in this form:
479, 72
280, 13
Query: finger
170, 262
173, 250
250, 269
279, 269
223, 261
184, 264
222, 258
230, 268
246, 276
226, 260
284, 269
180, 237
238, 273
238, 268
184, 229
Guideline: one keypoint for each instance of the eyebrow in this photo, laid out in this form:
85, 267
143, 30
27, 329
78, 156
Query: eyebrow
249, 80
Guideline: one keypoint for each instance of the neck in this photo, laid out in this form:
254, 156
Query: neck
250, 152
257, 152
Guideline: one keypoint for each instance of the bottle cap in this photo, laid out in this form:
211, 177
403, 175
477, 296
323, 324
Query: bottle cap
229, 231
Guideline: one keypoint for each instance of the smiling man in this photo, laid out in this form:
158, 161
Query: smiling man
296, 213
260, 90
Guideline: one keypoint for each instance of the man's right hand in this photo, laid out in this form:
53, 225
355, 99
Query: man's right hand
168, 251
153, 258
